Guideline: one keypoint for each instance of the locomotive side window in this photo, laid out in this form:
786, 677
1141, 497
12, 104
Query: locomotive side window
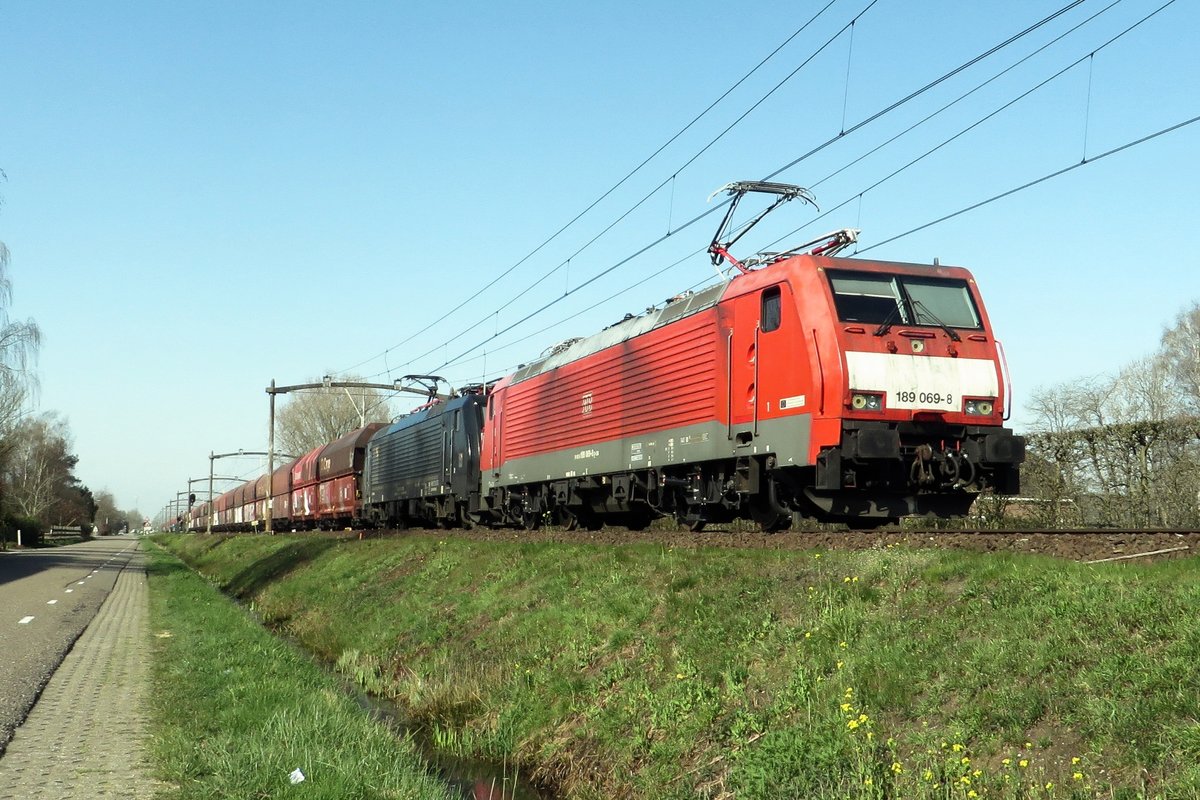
771, 315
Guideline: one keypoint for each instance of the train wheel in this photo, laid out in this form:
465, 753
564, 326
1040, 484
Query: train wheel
693, 519
531, 520
771, 520
779, 522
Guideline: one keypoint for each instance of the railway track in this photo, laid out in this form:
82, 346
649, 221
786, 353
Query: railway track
1076, 544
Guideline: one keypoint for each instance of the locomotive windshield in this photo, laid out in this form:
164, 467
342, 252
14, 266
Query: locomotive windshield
902, 299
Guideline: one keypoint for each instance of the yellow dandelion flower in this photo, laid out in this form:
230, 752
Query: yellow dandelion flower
897, 767
855, 580
852, 724
958, 748
1028, 745
870, 736
863, 718
972, 794
1006, 761
1075, 761
944, 745
965, 780
808, 634
816, 555
839, 664
849, 692
842, 645
964, 761
1049, 785
679, 676
1023, 763
928, 775
846, 707
977, 773
867, 782
1076, 776
846, 579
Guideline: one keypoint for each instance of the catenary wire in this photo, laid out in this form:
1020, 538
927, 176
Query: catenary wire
611, 189
856, 195
873, 117
466, 329
1036, 181
952, 215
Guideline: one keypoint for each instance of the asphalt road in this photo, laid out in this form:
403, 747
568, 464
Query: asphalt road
47, 598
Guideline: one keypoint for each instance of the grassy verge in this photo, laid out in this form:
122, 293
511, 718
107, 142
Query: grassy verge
650, 672
236, 711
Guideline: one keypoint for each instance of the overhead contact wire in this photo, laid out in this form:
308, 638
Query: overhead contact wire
1036, 181
978, 122
616, 185
927, 87
792, 163
877, 115
653, 191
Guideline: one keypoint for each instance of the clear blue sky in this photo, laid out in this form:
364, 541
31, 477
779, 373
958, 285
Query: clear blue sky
203, 196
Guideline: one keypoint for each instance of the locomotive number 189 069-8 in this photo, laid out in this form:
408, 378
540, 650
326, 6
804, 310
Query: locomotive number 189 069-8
935, 398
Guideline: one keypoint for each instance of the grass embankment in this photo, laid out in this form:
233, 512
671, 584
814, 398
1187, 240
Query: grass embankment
236, 710
650, 672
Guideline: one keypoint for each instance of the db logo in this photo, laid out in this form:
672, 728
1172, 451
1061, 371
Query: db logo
587, 404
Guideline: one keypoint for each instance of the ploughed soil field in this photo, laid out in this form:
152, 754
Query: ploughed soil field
1076, 545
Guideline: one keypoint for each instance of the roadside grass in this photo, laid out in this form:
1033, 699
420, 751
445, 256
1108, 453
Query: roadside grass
652, 672
235, 710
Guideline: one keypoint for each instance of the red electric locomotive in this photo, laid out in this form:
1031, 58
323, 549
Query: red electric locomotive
843, 389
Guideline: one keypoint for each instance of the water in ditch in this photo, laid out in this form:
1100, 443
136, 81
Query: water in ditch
471, 780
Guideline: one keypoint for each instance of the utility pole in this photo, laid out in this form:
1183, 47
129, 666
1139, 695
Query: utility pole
327, 382
212, 457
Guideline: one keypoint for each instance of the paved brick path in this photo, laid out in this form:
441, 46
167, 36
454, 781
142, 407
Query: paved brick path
86, 736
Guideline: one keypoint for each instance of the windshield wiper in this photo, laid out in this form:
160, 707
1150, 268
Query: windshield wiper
886, 325
920, 308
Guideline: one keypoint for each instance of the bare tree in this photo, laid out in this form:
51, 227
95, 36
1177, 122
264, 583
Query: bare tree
40, 473
1119, 449
1181, 350
19, 342
318, 416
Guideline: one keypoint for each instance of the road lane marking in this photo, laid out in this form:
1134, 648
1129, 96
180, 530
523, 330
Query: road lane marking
25, 620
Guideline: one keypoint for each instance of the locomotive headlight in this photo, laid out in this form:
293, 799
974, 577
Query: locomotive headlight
980, 408
866, 401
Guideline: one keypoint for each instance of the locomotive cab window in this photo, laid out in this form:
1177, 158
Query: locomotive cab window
903, 300
771, 315
863, 297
